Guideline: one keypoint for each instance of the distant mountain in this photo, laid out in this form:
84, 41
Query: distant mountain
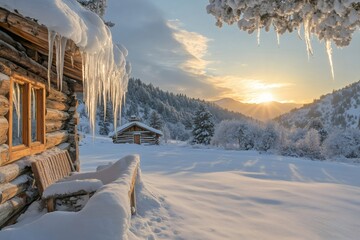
143, 98
262, 111
176, 110
337, 109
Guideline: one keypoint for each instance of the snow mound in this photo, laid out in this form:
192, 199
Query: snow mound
105, 216
153, 216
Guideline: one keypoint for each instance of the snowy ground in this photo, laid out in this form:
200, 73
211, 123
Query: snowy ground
189, 193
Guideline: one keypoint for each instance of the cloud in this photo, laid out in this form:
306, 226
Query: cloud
161, 52
164, 53
195, 44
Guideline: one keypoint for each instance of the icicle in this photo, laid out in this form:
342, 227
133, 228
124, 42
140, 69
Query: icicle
16, 102
258, 32
307, 35
278, 38
329, 53
33, 110
51, 39
60, 45
299, 33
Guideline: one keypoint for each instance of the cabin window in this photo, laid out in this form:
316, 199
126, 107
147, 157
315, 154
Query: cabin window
26, 118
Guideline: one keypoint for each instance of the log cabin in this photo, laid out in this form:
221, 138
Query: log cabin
38, 113
136, 132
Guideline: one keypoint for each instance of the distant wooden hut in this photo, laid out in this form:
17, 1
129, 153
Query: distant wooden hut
136, 132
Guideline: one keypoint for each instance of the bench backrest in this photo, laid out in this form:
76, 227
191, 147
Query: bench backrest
51, 169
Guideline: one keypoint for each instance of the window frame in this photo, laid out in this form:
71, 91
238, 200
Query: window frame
28, 147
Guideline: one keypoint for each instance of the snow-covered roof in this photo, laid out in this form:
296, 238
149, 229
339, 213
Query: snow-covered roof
139, 124
104, 70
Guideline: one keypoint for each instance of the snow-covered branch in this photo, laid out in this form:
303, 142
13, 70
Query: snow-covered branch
329, 20
334, 20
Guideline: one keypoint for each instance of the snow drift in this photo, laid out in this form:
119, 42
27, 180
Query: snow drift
105, 216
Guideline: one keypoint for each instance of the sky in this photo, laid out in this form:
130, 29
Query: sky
176, 46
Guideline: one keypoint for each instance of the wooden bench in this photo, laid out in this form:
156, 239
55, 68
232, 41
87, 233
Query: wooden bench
49, 170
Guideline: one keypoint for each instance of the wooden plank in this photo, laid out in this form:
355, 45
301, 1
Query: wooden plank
50, 169
4, 105
8, 208
37, 169
56, 138
10, 190
4, 85
54, 126
27, 197
9, 40
55, 95
56, 105
50, 204
4, 158
56, 115
4, 127
11, 171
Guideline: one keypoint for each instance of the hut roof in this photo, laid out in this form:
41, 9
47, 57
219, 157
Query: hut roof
139, 124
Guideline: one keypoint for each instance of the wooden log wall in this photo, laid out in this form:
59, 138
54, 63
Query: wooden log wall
146, 137
16, 179
16, 190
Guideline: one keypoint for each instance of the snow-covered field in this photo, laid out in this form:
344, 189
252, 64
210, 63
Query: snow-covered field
189, 193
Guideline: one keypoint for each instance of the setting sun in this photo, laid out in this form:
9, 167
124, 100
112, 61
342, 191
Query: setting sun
264, 98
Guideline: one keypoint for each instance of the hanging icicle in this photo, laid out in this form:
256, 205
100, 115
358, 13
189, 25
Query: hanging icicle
17, 104
51, 39
307, 36
33, 104
60, 45
278, 38
258, 32
329, 53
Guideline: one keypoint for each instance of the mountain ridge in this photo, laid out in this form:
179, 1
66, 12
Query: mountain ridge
260, 111
340, 109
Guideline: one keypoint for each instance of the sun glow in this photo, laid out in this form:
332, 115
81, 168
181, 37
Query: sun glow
264, 98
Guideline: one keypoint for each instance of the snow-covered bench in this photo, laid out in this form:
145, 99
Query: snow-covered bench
49, 170
112, 172
54, 180
106, 215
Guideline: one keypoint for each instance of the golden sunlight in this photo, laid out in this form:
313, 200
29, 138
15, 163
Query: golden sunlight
264, 98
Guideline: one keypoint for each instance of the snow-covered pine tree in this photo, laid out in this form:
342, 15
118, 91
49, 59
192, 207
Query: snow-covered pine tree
319, 127
269, 137
96, 6
203, 129
146, 113
155, 120
105, 122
